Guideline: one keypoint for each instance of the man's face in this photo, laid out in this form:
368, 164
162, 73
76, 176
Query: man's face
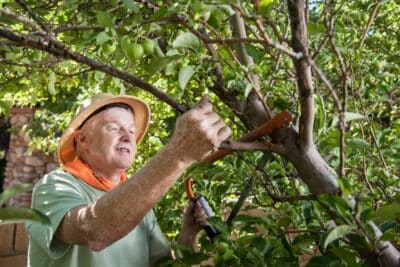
109, 140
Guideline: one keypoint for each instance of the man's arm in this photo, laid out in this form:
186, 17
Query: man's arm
117, 212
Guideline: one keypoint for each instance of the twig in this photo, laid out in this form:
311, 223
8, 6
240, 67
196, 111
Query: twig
371, 20
76, 28
246, 191
344, 76
269, 42
42, 24
325, 80
24, 20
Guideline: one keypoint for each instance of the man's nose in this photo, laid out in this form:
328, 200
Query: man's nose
126, 134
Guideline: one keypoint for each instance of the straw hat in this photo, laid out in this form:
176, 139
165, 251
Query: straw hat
66, 148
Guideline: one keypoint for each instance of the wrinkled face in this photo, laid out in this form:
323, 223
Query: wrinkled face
108, 141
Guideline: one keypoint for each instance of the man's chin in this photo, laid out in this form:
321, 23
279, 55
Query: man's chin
124, 164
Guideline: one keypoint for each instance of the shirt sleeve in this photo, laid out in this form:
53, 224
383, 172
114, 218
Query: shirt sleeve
159, 246
54, 195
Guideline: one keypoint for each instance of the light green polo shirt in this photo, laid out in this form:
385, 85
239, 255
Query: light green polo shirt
57, 193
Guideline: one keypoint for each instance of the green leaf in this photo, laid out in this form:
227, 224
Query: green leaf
348, 116
346, 255
5, 108
186, 40
131, 5
52, 79
14, 190
314, 28
358, 143
334, 234
104, 19
185, 74
265, 6
323, 261
125, 43
388, 212
102, 37
194, 258
228, 10
351, 116
345, 186
248, 89
14, 215
159, 63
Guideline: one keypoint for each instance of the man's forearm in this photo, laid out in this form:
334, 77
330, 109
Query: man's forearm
117, 212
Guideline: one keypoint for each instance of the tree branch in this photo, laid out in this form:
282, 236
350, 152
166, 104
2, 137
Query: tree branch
269, 42
342, 111
252, 146
371, 20
76, 28
255, 109
42, 24
58, 49
327, 83
24, 20
278, 121
303, 71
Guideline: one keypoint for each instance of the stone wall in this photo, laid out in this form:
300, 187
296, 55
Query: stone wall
21, 166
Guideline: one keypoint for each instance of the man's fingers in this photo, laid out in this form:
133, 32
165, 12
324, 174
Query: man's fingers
224, 133
212, 118
203, 104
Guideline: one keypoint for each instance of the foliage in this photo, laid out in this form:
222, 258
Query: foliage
167, 44
16, 214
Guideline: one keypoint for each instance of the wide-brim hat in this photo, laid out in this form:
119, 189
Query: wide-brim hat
67, 149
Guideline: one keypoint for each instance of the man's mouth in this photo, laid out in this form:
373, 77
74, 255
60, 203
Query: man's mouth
123, 149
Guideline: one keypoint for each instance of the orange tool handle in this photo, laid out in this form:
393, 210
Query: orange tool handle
276, 122
188, 188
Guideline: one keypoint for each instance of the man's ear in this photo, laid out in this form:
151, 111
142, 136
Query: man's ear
80, 137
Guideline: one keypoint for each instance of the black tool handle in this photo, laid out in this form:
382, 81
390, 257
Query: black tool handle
210, 230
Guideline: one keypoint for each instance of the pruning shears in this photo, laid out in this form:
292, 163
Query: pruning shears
209, 229
276, 122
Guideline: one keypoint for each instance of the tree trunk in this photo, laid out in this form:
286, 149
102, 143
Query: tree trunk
311, 167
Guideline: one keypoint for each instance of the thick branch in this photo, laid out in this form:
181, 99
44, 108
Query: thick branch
252, 146
58, 49
24, 20
256, 110
303, 71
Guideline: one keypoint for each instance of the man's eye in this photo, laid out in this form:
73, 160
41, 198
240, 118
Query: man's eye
113, 128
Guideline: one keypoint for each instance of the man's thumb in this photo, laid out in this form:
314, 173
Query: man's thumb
204, 101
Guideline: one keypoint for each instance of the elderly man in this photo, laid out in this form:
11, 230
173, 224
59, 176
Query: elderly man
98, 216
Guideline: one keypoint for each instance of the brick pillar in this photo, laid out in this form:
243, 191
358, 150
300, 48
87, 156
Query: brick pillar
22, 167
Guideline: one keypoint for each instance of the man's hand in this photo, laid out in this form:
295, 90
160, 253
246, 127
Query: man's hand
199, 131
194, 219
